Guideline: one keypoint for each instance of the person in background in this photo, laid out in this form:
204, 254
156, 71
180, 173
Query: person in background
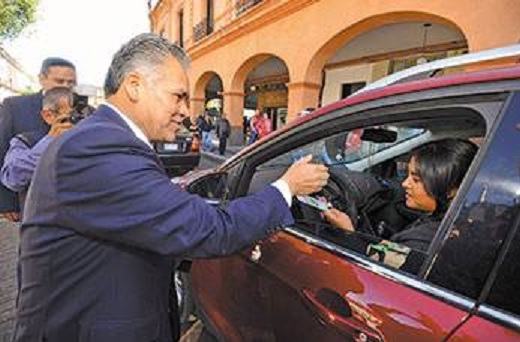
20, 114
191, 124
205, 127
26, 148
104, 225
265, 126
223, 131
253, 126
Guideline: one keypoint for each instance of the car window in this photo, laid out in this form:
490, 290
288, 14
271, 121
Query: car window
367, 166
483, 222
504, 293
353, 149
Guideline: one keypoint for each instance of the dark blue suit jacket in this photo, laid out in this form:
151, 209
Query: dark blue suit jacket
17, 115
102, 226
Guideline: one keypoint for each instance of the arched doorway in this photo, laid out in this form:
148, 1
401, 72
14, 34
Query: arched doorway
207, 94
385, 50
213, 96
378, 46
264, 81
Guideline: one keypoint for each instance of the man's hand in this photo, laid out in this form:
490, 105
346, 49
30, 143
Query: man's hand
12, 216
305, 178
60, 125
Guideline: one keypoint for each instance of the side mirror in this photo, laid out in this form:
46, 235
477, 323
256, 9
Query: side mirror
211, 187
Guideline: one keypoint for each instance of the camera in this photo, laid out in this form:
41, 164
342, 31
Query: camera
80, 108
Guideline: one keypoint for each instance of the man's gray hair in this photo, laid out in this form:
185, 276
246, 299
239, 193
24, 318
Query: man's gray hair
54, 96
145, 51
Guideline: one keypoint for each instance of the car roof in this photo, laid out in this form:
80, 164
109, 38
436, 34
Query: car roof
484, 76
499, 55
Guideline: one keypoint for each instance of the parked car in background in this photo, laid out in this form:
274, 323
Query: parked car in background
312, 282
182, 154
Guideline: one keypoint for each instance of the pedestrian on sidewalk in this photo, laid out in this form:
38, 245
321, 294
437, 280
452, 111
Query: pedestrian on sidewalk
265, 126
20, 114
254, 121
205, 127
223, 131
104, 225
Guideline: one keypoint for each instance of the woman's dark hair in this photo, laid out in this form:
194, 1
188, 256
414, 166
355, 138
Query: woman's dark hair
442, 165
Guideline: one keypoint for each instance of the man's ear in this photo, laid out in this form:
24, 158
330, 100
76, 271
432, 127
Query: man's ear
132, 86
47, 116
42, 78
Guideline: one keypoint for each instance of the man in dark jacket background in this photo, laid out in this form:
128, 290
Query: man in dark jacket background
20, 114
223, 131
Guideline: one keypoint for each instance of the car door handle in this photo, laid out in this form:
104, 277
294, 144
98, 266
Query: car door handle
339, 315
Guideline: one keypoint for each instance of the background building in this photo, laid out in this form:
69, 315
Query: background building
96, 95
286, 55
13, 78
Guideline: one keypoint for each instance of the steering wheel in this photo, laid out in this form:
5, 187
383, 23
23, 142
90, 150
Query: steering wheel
337, 193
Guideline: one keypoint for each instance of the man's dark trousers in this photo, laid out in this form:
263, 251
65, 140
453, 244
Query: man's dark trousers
222, 145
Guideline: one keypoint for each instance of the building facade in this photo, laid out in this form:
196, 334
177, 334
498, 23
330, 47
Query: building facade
287, 55
14, 80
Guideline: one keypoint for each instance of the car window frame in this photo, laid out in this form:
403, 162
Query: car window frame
346, 121
487, 311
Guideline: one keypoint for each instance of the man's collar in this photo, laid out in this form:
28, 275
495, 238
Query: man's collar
135, 129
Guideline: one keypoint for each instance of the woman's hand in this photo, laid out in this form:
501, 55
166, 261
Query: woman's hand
338, 219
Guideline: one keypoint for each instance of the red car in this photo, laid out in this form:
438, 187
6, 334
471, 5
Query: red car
310, 282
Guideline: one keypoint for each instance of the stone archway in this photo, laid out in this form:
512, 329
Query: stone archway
198, 98
267, 76
314, 70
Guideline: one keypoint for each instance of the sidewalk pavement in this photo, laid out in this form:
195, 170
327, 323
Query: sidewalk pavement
218, 159
8, 256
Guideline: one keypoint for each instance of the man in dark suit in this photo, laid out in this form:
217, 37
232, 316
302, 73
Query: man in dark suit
223, 131
20, 114
104, 224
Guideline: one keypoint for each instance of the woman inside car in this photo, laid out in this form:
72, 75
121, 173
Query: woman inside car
435, 171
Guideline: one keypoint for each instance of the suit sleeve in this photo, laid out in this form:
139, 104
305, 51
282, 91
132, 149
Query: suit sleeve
126, 198
8, 199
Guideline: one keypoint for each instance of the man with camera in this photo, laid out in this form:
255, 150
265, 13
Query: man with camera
26, 148
22, 114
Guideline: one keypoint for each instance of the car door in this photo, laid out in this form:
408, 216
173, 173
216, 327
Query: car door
319, 289
492, 222
304, 284
221, 286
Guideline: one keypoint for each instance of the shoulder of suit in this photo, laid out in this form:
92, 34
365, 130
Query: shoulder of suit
22, 98
98, 134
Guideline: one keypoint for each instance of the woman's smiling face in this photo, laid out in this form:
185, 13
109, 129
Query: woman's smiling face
416, 195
